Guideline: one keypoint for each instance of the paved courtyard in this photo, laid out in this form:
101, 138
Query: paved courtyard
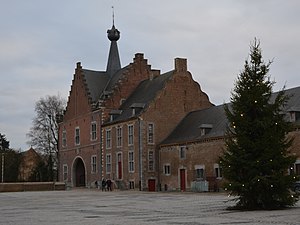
88, 207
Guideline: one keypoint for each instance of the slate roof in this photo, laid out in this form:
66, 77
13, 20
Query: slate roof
96, 82
189, 129
294, 101
142, 96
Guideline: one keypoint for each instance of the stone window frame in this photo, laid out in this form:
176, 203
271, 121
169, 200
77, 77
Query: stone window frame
182, 152
65, 172
108, 162
119, 136
93, 164
130, 134
131, 161
151, 161
108, 139
93, 130
150, 135
200, 175
218, 171
64, 138
167, 169
77, 136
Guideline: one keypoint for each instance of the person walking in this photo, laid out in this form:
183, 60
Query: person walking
103, 184
108, 183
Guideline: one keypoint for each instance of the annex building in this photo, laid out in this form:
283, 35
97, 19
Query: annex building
145, 130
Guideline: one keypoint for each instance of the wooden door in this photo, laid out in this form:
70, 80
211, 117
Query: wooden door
182, 180
151, 184
119, 166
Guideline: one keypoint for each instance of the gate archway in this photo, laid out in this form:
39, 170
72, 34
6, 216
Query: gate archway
78, 173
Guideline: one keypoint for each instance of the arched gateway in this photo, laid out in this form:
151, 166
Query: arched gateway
78, 173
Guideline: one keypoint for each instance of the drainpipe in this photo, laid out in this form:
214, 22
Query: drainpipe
140, 153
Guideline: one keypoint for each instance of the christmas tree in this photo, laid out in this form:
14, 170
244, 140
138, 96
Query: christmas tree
256, 157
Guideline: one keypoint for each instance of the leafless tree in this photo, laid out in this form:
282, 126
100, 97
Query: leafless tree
43, 134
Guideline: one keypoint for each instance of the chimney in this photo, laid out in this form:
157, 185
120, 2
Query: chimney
180, 65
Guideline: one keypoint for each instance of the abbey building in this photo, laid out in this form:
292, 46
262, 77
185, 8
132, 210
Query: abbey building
142, 129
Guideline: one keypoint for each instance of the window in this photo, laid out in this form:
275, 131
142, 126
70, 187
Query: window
218, 170
108, 139
64, 138
182, 152
151, 160
119, 136
167, 169
130, 134
131, 161
94, 131
150, 133
297, 168
93, 164
77, 136
200, 172
65, 172
108, 163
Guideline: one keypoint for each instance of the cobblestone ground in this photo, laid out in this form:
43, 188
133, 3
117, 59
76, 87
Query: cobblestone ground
88, 207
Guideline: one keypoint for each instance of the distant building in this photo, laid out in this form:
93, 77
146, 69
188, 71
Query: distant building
29, 161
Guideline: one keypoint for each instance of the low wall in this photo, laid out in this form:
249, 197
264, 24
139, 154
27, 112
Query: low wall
32, 186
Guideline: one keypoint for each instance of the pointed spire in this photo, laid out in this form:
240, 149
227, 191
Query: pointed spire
113, 63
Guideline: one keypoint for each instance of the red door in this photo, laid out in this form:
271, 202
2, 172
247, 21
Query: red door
151, 184
182, 179
119, 166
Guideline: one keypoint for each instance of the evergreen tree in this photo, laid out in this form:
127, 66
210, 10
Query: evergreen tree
256, 158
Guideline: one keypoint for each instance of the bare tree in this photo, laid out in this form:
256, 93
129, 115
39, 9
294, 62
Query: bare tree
43, 134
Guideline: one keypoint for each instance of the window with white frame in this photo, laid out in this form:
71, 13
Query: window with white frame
94, 131
182, 152
64, 138
65, 172
150, 133
218, 170
295, 168
130, 134
93, 164
77, 136
200, 172
108, 138
108, 163
131, 161
119, 136
167, 169
151, 160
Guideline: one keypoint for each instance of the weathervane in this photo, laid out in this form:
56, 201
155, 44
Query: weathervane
113, 14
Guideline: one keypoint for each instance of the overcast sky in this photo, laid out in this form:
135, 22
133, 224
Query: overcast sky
41, 41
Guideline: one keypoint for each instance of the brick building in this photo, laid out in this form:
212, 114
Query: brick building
115, 119
189, 156
29, 162
146, 130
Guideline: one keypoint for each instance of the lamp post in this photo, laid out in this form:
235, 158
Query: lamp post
2, 161
2, 167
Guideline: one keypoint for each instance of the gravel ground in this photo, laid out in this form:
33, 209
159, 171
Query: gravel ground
88, 207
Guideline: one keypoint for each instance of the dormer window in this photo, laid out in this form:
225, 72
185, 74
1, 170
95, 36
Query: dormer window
205, 129
114, 113
137, 107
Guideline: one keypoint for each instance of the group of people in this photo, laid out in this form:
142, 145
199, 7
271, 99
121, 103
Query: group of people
106, 185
